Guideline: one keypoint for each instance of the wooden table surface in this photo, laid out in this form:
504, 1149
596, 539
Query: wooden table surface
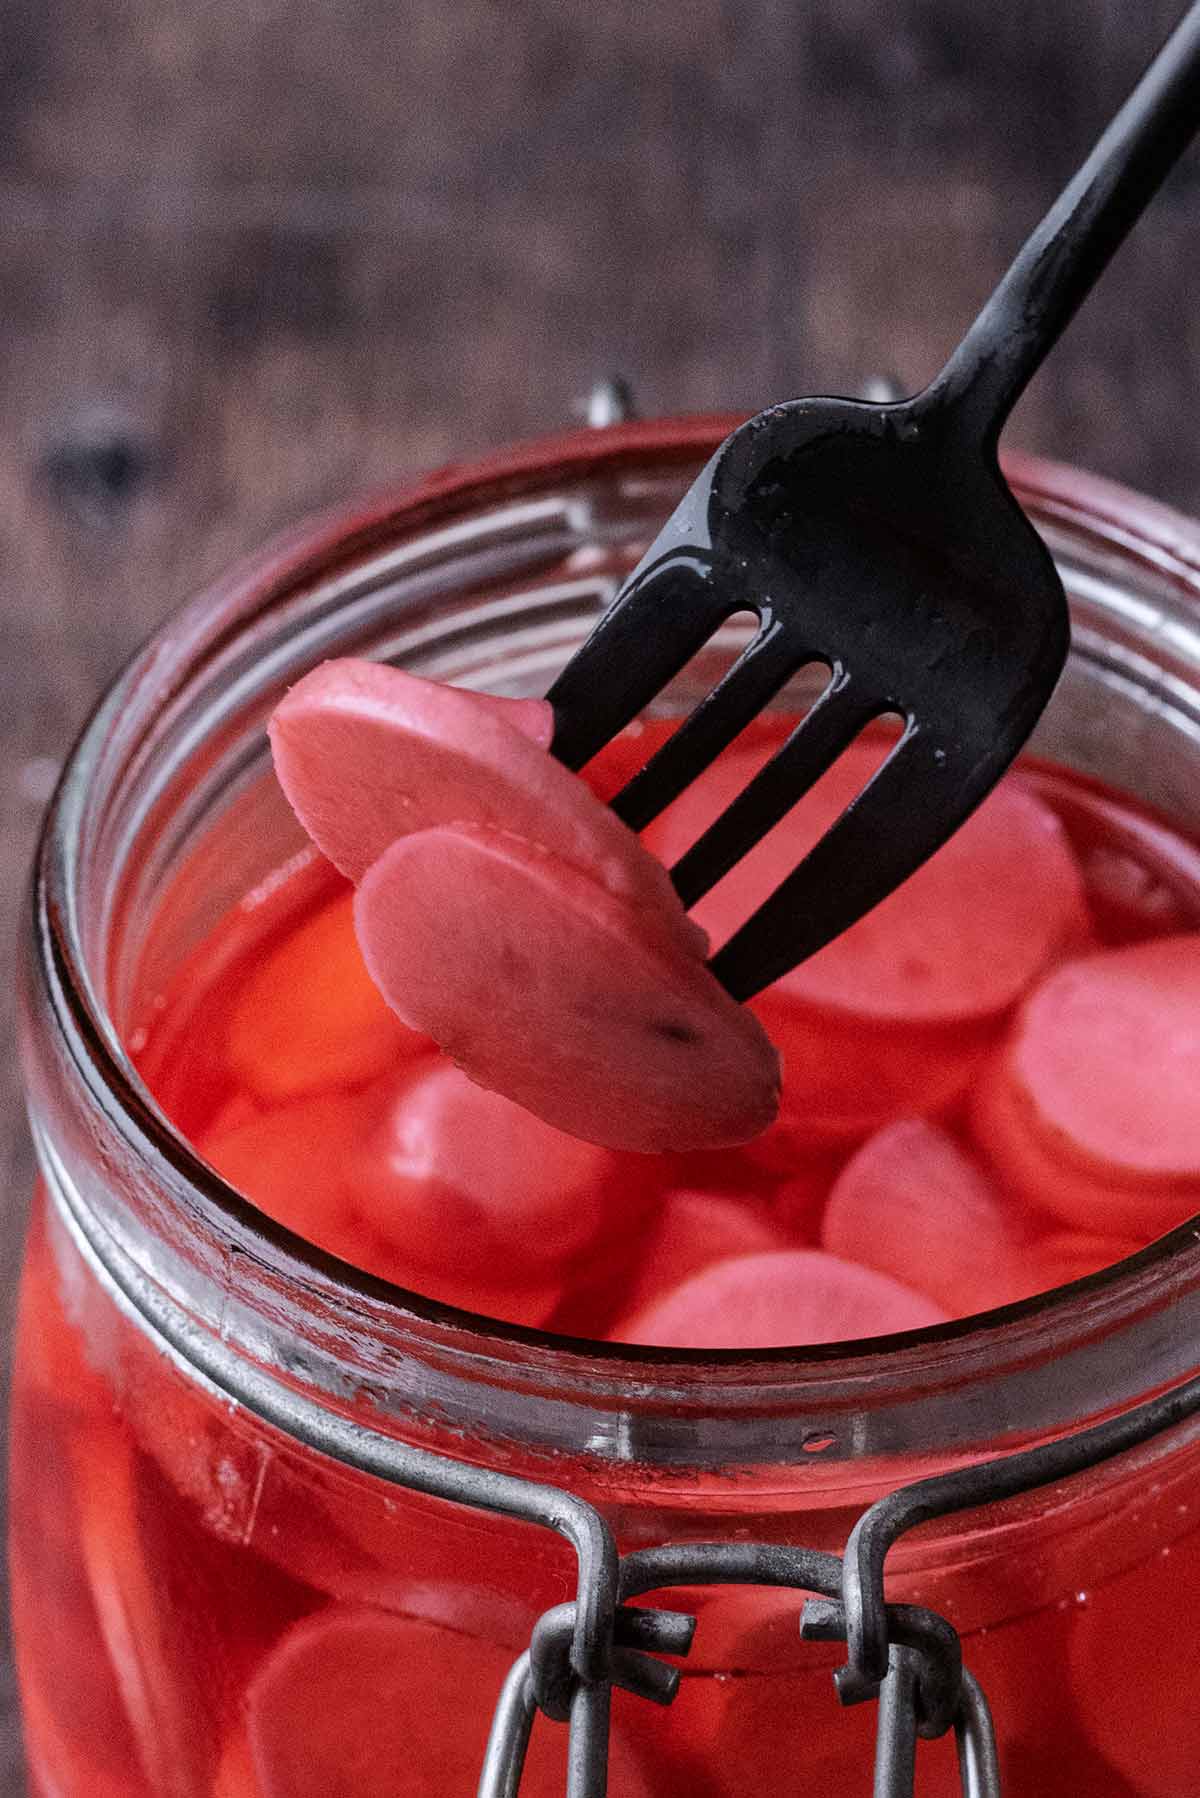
256, 255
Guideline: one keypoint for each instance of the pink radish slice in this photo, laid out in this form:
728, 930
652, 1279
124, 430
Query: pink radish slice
961, 939
354, 1703
781, 1300
367, 753
137, 1617
1109, 1050
913, 1205
542, 985
462, 1175
1093, 1107
534, 718
694, 1229
1006, 1133
312, 1166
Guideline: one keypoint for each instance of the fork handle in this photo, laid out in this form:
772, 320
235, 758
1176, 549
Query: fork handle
1057, 267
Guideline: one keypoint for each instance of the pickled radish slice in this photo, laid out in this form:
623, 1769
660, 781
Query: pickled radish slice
358, 1704
961, 939
1092, 1109
355, 1703
453, 1164
367, 753
691, 1231
1109, 1050
310, 1017
968, 933
1053, 1185
534, 718
312, 1166
72, 1701
781, 1300
541, 984
913, 1205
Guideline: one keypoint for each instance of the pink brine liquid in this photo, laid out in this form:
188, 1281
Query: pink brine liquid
203, 1609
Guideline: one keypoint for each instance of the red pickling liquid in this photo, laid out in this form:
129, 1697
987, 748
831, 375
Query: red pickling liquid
209, 1612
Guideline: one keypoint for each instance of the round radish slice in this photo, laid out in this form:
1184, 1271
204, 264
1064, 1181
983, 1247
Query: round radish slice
457, 1172
310, 1017
1092, 1109
314, 1167
541, 984
355, 1703
692, 1230
781, 1300
961, 939
367, 753
911, 1204
534, 718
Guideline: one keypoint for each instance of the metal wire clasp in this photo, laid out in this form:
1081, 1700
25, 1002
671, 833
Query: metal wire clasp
924, 1691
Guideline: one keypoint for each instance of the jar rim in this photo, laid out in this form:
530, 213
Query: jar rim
1150, 534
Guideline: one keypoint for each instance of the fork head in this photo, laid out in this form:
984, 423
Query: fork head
882, 542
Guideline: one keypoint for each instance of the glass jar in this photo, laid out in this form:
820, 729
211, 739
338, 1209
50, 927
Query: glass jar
276, 1524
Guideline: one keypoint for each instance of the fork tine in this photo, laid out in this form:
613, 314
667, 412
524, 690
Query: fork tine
834, 721
854, 865
739, 696
653, 628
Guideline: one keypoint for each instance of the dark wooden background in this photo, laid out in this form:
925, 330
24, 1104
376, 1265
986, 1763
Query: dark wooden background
255, 255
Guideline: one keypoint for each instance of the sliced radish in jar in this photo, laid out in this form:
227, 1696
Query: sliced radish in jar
313, 1166
545, 986
913, 1205
1092, 1110
692, 1230
781, 1300
462, 1174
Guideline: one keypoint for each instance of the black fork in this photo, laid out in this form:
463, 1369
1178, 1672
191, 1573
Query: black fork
880, 541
